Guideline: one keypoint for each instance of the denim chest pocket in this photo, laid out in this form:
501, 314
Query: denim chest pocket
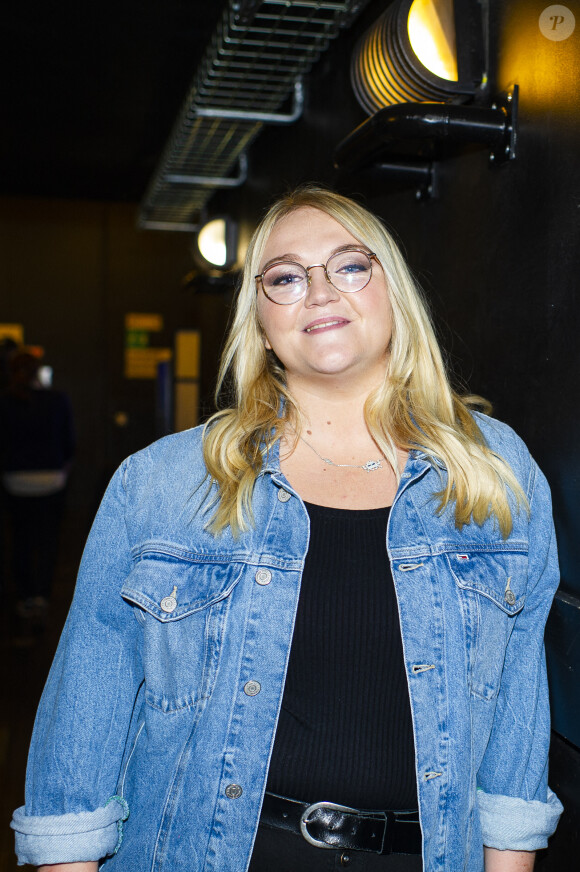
492, 588
182, 606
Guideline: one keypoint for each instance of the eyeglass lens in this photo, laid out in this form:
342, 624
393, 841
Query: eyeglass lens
348, 271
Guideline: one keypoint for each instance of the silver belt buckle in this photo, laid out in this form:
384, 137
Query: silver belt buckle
310, 810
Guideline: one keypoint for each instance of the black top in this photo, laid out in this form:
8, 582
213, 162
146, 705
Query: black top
345, 731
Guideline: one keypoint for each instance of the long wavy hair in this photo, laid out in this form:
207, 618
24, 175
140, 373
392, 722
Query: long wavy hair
415, 407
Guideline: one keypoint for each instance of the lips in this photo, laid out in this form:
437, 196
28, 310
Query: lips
322, 324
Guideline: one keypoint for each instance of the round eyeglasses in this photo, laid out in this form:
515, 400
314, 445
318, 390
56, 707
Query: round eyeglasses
349, 271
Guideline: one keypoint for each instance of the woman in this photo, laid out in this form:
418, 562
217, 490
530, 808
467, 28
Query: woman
191, 677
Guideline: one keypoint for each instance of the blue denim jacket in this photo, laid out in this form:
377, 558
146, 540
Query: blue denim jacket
155, 729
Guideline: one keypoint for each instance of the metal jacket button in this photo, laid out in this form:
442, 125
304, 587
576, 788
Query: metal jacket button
233, 791
252, 688
263, 576
283, 495
509, 595
169, 603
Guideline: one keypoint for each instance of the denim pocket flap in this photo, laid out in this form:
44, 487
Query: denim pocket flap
501, 576
170, 587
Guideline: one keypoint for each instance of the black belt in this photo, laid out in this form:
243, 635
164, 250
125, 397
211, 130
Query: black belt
327, 825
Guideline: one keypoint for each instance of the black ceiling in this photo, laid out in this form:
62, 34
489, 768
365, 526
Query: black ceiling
91, 90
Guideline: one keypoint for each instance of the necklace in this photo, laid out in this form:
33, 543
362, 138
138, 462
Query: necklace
369, 466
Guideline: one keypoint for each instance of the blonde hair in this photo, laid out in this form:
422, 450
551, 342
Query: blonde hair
414, 408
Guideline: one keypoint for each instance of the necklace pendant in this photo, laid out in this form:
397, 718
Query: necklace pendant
371, 465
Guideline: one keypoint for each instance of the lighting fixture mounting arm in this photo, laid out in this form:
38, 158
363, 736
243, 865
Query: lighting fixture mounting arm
431, 131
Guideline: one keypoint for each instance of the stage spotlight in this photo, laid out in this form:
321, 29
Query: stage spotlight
419, 51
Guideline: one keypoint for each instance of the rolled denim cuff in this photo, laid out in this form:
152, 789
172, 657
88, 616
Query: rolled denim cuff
69, 838
509, 823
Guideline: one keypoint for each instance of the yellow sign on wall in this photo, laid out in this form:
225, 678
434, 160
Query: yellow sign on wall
12, 331
187, 353
150, 321
142, 362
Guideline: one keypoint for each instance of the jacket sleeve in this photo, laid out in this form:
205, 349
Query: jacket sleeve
517, 809
71, 811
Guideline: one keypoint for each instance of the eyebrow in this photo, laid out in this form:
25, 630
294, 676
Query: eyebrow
295, 258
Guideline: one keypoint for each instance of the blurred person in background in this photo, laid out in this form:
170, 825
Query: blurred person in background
36, 451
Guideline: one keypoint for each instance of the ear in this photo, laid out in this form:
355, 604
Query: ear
262, 332
265, 339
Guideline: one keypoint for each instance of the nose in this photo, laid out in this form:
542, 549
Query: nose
319, 291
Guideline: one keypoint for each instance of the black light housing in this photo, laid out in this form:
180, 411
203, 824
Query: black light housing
414, 72
431, 131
